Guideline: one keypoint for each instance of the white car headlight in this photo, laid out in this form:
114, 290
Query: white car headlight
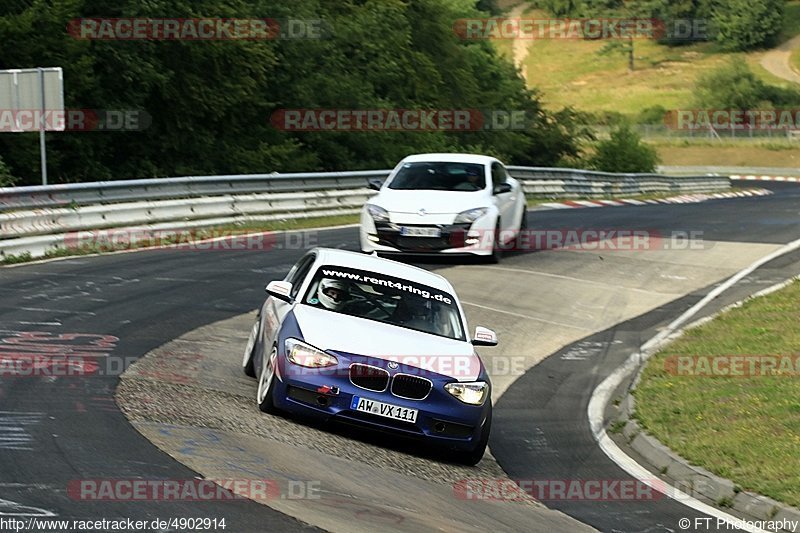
470, 215
377, 213
306, 355
472, 393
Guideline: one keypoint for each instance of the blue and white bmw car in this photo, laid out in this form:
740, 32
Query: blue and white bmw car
370, 341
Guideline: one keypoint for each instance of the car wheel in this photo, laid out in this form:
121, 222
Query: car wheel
522, 239
497, 251
247, 361
474, 456
266, 385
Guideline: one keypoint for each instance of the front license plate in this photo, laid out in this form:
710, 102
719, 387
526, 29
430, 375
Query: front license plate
420, 232
383, 409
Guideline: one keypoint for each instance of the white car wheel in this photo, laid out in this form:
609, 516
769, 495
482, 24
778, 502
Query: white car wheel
247, 360
266, 384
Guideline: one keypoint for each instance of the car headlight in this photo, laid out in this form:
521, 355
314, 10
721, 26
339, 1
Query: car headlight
470, 215
306, 355
472, 393
378, 214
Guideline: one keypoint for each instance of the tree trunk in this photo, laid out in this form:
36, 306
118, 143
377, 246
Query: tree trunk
630, 53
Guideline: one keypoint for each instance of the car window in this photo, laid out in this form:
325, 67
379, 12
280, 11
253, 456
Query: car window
299, 272
440, 176
385, 299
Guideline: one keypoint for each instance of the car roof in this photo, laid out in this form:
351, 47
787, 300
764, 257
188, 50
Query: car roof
454, 157
373, 263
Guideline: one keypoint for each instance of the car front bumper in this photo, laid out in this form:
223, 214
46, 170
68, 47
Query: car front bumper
458, 239
328, 395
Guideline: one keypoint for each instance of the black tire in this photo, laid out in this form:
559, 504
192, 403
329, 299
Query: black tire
497, 251
247, 361
474, 456
266, 404
523, 227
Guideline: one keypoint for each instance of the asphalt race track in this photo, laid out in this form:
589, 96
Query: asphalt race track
54, 430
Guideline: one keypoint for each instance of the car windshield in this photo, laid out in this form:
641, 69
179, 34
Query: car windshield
385, 299
440, 176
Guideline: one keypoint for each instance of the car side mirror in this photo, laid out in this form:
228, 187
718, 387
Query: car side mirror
375, 183
501, 188
484, 337
281, 290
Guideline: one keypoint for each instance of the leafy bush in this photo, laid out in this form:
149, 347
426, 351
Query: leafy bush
734, 86
746, 24
624, 152
652, 115
6, 179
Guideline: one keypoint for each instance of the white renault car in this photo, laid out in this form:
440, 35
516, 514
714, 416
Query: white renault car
444, 203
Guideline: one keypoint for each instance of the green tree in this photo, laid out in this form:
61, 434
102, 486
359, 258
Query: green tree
624, 151
746, 24
626, 10
210, 102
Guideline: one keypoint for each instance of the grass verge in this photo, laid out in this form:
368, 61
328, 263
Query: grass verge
573, 73
745, 154
745, 429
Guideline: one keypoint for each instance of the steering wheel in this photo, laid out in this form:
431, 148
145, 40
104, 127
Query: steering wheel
374, 304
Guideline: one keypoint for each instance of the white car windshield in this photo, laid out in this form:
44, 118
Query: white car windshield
385, 299
440, 176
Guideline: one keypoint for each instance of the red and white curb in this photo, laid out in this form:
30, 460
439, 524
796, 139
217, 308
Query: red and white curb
766, 178
683, 199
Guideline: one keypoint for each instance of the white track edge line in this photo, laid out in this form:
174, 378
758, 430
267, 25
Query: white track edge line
602, 395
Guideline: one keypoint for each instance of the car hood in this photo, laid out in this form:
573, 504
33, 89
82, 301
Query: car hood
433, 202
336, 332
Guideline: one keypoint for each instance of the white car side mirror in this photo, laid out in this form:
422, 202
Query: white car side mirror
281, 290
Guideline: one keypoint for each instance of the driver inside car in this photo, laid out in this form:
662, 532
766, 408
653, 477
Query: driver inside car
472, 182
333, 294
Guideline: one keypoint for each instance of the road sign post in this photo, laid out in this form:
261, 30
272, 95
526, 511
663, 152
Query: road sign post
33, 93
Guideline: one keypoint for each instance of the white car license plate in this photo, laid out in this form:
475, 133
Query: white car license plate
383, 409
420, 232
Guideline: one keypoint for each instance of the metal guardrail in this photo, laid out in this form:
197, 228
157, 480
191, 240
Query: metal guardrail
36, 219
105, 192
566, 183
56, 220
